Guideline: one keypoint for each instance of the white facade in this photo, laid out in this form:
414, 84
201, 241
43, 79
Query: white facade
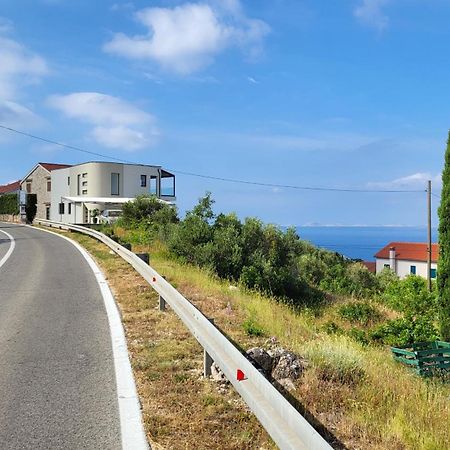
403, 268
78, 191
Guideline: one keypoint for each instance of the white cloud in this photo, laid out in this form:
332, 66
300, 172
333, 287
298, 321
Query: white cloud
117, 123
252, 80
370, 12
414, 181
18, 67
186, 38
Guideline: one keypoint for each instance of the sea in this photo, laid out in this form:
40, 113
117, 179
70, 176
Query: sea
361, 242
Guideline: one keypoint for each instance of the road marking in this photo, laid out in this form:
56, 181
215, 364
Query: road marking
132, 430
12, 246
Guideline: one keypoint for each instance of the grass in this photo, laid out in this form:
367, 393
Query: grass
181, 410
355, 390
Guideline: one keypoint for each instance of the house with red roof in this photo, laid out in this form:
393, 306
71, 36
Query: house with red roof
407, 258
10, 188
38, 181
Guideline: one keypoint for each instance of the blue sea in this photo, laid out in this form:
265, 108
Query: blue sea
362, 242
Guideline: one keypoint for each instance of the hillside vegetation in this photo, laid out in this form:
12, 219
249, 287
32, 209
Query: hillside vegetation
329, 309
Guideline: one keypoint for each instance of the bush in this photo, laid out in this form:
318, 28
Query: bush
336, 359
362, 313
9, 204
31, 207
149, 210
410, 296
252, 328
405, 331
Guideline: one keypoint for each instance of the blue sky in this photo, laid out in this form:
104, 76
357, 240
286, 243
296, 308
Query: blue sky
347, 94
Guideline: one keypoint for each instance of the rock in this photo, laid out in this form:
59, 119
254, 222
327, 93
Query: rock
217, 374
287, 384
261, 359
288, 366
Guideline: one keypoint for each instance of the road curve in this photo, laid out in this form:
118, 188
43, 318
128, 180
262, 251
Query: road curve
57, 382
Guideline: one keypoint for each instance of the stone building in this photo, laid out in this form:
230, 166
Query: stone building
38, 181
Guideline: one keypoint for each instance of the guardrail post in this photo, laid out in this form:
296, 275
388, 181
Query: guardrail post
207, 360
162, 304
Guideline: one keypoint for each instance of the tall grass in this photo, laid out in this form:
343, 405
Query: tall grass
374, 402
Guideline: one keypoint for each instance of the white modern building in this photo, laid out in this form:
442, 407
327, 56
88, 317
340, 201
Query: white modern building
80, 192
407, 258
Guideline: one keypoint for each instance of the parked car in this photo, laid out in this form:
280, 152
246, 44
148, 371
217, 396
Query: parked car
110, 215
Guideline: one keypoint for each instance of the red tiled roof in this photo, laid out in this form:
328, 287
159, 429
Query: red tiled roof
411, 251
51, 166
371, 266
11, 187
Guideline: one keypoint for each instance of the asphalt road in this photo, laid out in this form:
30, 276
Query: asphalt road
57, 382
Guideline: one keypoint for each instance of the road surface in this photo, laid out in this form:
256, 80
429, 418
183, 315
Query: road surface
57, 382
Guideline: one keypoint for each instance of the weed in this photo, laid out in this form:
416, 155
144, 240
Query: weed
252, 328
362, 313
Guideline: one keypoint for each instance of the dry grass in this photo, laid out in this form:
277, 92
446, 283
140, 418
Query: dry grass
181, 410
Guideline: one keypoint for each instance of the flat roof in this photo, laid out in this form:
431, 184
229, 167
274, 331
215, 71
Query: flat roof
112, 200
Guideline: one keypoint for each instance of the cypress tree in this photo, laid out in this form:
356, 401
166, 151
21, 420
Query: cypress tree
443, 279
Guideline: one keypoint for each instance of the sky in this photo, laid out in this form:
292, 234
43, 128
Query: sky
348, 94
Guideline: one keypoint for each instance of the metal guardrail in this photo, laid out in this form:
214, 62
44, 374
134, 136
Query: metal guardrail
286, 426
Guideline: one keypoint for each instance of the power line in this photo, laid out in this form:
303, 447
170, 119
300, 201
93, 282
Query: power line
288, 186
210, 177
71, 147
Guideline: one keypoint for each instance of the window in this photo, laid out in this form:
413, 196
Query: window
78, 184
387, 266
433, 273
69, 208
84, 183
61, 208
167, 184
114, 184
68, 181
49, 185
84, 175
412, 270
84, 191
153, 185
143, 180
29, 187
47, 212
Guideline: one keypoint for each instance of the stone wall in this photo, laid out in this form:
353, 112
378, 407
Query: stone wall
38, 179
10, 218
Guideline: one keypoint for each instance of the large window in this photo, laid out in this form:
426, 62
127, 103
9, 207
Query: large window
29, 187
49, 185
78, 184
167, 184
69, 208
412, 270
61, 208
153, 185
115, 184
143, 180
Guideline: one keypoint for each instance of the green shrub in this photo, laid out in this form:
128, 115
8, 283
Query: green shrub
362, 313
149, 210
331, 327
31, 207
405, 331
252, 328
358, 335
410, 296
9, 204
336, 359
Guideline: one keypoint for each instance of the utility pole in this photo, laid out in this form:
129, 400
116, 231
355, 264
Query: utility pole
429, 236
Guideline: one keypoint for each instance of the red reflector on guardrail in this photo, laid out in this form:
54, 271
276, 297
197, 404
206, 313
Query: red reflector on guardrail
240, 375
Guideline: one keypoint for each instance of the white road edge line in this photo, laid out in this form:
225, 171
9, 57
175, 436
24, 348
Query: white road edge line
132, 429
12, 246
